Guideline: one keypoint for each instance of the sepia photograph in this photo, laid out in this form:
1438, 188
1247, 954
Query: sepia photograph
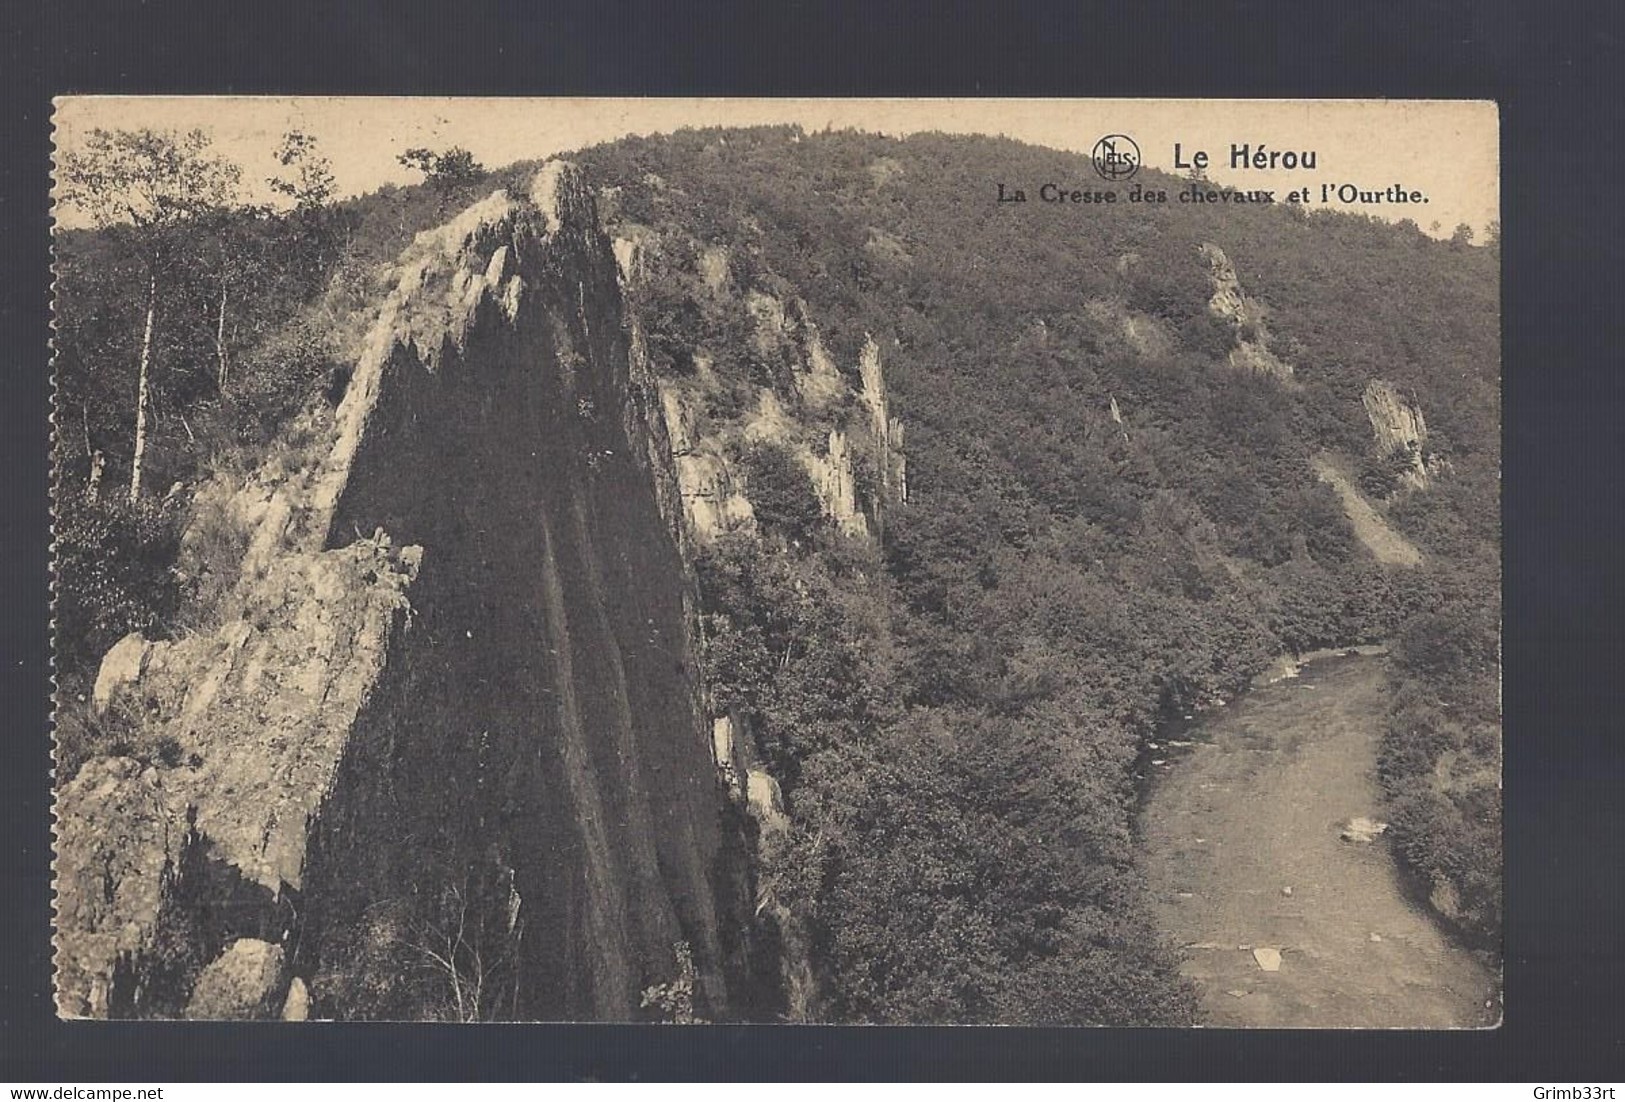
798, 561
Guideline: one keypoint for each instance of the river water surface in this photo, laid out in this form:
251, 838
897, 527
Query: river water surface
1244, 853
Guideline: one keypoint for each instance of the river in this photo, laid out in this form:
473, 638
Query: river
1242, 828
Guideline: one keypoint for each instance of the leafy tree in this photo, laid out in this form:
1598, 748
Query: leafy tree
113, 576
673, 1002
144, 188
311, 185
781, 492
449, 173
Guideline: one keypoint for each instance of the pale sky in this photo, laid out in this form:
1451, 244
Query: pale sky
1447, 149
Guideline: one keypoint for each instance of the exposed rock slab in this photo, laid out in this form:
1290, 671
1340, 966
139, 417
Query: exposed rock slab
1245, 317
122, 667
1401, 431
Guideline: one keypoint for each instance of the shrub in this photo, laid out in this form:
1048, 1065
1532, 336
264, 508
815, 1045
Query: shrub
1211, 336
1439, 754
1379, 475
279, 376
113, 573
781, 493
81, 734
1456, 641
673, 1002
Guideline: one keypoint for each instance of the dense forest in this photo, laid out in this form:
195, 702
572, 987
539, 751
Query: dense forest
1108, 522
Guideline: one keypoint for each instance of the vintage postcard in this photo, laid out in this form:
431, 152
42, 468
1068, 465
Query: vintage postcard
786, 561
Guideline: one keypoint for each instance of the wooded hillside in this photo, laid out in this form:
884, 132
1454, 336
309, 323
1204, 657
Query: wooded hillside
1109, 522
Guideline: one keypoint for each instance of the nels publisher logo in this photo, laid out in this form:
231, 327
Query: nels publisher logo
1116, 157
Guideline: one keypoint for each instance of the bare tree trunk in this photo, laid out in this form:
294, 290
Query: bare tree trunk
141, 392
93, 487
91, 453
220, 338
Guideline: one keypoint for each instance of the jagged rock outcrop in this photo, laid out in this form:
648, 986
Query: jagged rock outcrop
715, 495
1401, 431
729, 756
836, 485
771, 328
819, 384
1116, 413
711, 498
258, 713
757, 792
1245, 317
888, 430
744, 775
491, 700
714, 268
448, 664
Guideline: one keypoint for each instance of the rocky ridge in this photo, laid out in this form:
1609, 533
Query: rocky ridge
170, 871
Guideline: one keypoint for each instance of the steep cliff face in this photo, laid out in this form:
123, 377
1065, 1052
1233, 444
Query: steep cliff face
446, 752
833, 426
890, 456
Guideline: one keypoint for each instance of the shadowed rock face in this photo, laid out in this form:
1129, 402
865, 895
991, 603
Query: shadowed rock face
541, 725
487, 745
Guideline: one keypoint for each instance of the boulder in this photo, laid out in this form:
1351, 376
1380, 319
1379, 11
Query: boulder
121, 667
1362, 831
1269, 960
238, 983
296, 1007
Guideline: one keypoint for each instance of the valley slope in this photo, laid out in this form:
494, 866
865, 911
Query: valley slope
771, 558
